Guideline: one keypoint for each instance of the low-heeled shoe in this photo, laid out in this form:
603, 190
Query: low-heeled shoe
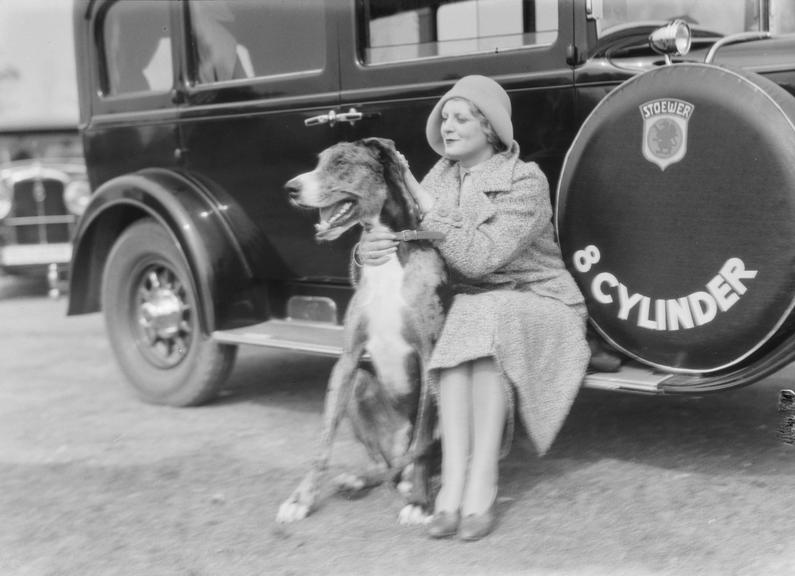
476, 526
444, 524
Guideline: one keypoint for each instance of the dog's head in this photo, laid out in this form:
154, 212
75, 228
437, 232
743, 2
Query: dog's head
353, 183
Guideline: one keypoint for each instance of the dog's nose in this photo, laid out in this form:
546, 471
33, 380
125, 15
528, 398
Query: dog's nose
293, 188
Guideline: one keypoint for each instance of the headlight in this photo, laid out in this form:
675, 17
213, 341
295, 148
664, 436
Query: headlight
76, 196
5, 200
673, 39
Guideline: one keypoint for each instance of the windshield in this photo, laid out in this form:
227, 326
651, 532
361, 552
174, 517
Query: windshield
38, 86
721, 16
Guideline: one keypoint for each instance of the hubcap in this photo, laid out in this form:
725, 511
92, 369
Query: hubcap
162, 317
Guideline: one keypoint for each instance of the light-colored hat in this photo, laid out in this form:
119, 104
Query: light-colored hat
489, 97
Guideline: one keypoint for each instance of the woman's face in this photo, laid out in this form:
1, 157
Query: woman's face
463, 135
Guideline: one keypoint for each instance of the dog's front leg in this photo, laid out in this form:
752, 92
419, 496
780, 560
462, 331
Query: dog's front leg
302, 501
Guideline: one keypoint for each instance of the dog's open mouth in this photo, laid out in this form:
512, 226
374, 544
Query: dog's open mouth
335, 219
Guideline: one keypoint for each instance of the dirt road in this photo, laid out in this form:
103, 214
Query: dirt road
93, 482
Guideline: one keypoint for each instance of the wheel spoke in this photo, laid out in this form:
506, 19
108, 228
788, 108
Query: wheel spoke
154, 280
150, 334
144, 294
180, 346
161, 348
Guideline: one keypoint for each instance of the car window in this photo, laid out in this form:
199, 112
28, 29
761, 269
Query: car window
238, 39
719, 16
411, 29
137, 45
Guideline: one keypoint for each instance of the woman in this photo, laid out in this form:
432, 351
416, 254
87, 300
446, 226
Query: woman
516, 328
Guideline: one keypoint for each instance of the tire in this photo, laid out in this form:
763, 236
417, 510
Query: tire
153, 324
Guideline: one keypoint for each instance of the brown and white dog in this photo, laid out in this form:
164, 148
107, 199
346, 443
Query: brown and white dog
395, 316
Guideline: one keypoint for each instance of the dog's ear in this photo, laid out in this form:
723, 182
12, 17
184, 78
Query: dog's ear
400, 207
387, 155
383, 145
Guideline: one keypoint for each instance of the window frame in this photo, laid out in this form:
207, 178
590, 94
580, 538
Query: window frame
549, 63
291, 84
105, 102
363, 33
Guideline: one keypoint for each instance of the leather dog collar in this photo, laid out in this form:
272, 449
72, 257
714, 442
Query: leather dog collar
411, 235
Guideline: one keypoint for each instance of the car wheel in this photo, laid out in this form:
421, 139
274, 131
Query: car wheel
153, 322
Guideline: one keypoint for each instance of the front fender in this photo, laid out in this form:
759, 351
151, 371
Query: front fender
207, 231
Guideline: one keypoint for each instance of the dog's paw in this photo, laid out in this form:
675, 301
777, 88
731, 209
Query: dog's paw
413, 515
291, 510
350, 485
405, 487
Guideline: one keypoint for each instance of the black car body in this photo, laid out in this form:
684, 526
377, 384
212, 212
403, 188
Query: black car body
194, 114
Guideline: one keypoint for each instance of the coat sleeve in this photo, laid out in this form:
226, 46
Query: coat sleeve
485, 236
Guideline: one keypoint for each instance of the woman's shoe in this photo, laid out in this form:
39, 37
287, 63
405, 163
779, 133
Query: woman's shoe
476, 526
444, 524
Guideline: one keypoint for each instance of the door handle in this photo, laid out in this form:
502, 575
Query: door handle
331, 118
351, 116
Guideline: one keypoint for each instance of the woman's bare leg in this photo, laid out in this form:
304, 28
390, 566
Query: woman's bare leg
488, 422
455, 413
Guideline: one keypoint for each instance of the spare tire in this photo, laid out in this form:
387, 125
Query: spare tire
676, 216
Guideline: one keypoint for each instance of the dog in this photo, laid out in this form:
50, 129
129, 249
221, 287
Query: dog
395, 316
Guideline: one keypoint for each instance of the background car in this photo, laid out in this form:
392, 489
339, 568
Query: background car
43, 182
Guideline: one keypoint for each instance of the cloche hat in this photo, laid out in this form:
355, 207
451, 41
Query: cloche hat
489, 97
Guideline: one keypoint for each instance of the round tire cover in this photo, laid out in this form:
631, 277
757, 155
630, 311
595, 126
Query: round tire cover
676, 215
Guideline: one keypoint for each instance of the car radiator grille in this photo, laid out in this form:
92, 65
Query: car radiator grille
39, 215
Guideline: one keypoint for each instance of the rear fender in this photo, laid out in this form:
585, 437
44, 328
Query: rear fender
206, 230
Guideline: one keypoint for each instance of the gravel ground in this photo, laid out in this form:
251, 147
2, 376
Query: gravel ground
96, 483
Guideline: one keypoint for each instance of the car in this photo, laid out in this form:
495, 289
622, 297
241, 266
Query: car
194, 114
42, 193
43, 182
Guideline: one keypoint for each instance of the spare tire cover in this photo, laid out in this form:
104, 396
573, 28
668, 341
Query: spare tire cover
676, 215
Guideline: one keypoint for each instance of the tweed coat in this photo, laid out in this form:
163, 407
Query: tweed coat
514, 299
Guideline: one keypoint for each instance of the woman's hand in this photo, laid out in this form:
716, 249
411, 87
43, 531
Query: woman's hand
375, 248
424, 200
402, 163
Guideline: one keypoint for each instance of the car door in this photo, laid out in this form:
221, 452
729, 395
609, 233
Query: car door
133, 114
255, 71
398, 58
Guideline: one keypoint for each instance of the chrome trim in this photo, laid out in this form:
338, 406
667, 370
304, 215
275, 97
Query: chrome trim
664, 39
312, 309
19, 174
734, 39
31, 220
631, 377
332, 117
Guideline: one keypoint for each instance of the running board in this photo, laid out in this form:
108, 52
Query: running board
631, 377
326, 339
321, 338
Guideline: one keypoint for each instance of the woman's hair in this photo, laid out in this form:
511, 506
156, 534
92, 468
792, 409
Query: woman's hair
491, 136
